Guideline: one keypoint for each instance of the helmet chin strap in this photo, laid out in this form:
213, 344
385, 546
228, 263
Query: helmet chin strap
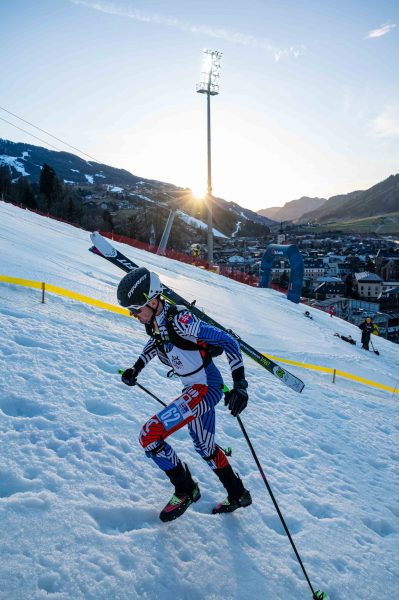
154, 312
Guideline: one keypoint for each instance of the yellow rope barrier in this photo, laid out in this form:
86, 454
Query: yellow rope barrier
67, 293
122, 311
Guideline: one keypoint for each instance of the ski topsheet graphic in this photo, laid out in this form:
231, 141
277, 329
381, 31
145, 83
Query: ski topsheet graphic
104, 248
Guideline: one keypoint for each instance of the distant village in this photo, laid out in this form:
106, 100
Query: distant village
356, 275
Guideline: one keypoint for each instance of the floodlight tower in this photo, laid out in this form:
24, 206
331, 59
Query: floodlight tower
210, 86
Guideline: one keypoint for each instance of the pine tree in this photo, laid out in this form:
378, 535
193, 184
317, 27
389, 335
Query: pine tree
22, 193
5, 182
48, 185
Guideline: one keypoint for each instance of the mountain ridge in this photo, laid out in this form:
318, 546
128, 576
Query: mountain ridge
380, 199
293, 209
26, 160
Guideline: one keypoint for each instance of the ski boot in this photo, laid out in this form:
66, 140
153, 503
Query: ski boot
237, 495
186, 492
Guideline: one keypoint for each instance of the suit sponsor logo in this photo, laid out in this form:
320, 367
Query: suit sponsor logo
146, 429
176, 362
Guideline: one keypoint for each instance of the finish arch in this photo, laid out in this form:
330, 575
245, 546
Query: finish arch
296, 263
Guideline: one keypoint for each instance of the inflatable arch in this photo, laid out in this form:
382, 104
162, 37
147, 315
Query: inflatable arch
296, 262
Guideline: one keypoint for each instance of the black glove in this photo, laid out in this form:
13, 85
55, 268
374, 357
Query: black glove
237, 398
129, 377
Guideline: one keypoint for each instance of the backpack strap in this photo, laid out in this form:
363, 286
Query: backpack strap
207, 351
174, 337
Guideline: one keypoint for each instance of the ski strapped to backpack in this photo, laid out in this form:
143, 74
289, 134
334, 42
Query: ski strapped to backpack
102, 247
210, 350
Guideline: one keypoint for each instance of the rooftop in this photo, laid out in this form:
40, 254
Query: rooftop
369, 277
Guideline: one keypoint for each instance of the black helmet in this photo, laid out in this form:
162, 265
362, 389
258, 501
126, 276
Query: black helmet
138, 287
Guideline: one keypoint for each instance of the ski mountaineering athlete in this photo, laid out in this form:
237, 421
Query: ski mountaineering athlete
187, 344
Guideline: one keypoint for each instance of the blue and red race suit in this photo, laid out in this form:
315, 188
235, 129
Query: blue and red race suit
202, 388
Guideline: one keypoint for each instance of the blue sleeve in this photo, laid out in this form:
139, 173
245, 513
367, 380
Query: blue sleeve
192, 328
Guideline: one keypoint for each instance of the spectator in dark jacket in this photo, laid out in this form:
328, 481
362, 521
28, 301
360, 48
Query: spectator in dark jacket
367, 329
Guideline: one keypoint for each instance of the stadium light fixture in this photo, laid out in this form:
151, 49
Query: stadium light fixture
210, 86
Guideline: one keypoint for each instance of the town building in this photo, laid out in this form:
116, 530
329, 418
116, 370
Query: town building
368, 285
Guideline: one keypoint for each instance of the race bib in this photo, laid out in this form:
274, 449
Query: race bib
175, 413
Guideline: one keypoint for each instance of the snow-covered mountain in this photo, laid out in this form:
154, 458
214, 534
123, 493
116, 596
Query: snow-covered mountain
79, 501
26, 160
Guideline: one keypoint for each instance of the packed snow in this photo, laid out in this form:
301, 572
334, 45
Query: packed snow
146, 198
90, 178
79, 501
14, 161
192, 221
198, 224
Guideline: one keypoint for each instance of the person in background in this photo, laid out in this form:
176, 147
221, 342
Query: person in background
366, 328
331, 311
346, 338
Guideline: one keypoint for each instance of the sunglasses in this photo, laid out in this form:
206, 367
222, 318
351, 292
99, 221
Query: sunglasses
134, 310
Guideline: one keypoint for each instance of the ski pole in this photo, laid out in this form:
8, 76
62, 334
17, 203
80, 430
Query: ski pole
374, 350
147, 391
316, 595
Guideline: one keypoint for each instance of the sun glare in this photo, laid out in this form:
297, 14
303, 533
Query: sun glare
198, 192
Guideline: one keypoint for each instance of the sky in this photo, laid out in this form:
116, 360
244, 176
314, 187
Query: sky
308, 101
79, 501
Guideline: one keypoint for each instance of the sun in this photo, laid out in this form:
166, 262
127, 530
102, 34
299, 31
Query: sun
198, 192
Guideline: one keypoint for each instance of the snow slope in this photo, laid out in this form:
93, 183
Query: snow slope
79, 501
